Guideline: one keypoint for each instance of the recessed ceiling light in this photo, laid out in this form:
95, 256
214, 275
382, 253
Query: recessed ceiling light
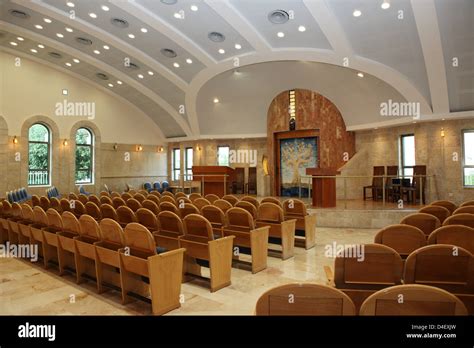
70, 4
221, 51
47, 20
106, 47
110, 85
92, 15
360, 74
194, 8
33, 50
60, 35
13, 43
357, 13
151, 73
41, 46
177, 15
131, 36
238, 46
302, 28
144, 30
176, 65
215, 100
68, 64
119, 82
189, 61
385, 4
75, 60
104, 8
140, 76
37, 26
96, 51
281, 34
69, 30
19, 38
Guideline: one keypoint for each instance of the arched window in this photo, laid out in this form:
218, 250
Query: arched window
84, 156
39, 155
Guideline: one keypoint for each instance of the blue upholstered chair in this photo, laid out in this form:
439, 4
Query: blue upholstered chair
10, 197
165, 185
157, 186
147, 186
83, 191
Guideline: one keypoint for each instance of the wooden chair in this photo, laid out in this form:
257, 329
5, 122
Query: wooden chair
93, 210
4, 224
467, 204
167, 199
65, 205
459, 235
425, 222
155, 193
132, 192
447, 204
304, 299
167, 193
115, 194
222, 205
241, 225
187, 209
66, 244
404, 239
282, 231
107, 251
199, 242
104, 194
182, 200
211, 197
118, 202
85, 248
271, 200
50, 237
390, 192
170, 229
148, 219
106, 200
36, 229
94, 199
83, 198
155, 199
216, 217
164, 270
35, 200
168, 206
73, 197
13, 230
249, 207
180, 195
252, 200
445, 266
361, 272
201, 202
55, 204
126, 196
420, 300
143, 192
194, 196
108, 212
436, 210
460, 219
231, 199
45, 203
28, 218
377, 183
468, 209
305, 233
78, 208
133, 204
139, 197
152, 206
125, 216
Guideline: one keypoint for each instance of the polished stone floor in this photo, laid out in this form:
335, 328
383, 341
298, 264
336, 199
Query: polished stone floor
27, 289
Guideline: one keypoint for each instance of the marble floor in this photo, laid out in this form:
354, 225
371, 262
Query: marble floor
29, 289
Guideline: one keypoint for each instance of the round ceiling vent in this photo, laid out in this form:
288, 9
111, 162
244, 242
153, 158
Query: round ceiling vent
132, 66
19, 14
84, 41
119, 23
216, 37
102, 76
168, 52
169, 2
55, 55
278, 17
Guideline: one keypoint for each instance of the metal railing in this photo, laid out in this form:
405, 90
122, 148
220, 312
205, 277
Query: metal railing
38, 178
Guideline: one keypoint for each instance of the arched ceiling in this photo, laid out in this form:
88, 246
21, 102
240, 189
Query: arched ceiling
416, 50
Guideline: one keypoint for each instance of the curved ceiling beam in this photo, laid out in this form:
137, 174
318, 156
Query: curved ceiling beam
428, 30
86, 80
80, 24
104, 67
166, 29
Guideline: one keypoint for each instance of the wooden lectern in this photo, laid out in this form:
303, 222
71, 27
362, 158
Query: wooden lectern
324, 189
219, 184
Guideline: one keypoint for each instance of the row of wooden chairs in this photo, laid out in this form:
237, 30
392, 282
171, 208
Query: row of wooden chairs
322, 300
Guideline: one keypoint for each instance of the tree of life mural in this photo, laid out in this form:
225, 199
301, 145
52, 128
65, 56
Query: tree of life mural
295, 156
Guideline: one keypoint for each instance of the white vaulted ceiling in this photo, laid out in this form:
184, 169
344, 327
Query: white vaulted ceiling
179, 65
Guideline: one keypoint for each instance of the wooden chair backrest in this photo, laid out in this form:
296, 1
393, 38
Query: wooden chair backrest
148, 219
460, 219
156, 194
104, 194
167, 199
55, 203
35, 200
115, 194
459, 235
418, 299
404, 239
40, 216
133, 204
467, 204
294, 207
126, 196
231, 199
306, 299
392, 172
187, 209
194, 196
425, 222
72, 196
373, 267
27, 212
201, 202
83, 198
247, 206
252, 200
378, 171
214, 214
16, 210
108, 212
468, 209
198, 226
93, 210
140, 240
152, 206
211, 197
222, 205
182, 200
154, 198
118, 202
143, 193
54, 219
436, 210
170, 222
126, 215
70, 223
447, 204
241, 218
167, 193
106, 200
89, 228
139, 197
94, 199
79, 208
45, 203
180, 195
168, 206
271, 200
270, 212
65, 204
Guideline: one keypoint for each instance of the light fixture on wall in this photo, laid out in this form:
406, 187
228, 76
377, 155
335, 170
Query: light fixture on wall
442, 132
15, 140
115, 147
139, 148
65, 142
161, 149
198, 148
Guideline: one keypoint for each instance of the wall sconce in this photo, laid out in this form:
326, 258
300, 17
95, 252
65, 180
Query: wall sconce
15, 140
65, 143
115, 147
139, 148
161, 149
198, 148
442, 132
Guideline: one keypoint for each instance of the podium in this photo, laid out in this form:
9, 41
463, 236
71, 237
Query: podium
324, 189
213, 179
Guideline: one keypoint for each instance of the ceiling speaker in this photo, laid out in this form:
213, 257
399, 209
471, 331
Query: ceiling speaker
102, 76
84, 41
278, 17
55, 55
119, 23
19, 14
169, 2
168, 52
216, 37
